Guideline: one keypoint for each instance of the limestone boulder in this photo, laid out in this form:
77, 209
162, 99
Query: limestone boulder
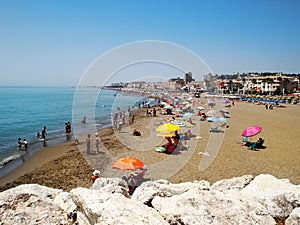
211, 207
241, 200
32, 204
106, 208
236, 183
278, 196
294, 218
148, 190
111, 185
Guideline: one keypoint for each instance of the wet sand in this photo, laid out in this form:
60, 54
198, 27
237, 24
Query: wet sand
64, 166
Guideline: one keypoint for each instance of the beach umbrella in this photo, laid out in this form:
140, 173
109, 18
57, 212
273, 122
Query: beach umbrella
200, 108
178, 110
165, 135
251, 131
187, 115
167, 128
168, 107
217, 119
211, 112
128, 164
226, 101
179, 106
163, 103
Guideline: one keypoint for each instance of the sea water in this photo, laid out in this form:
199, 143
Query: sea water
24, 111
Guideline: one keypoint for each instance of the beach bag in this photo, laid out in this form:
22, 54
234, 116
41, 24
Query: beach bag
171, 149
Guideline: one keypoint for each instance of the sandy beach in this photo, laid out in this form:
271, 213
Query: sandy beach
64, 166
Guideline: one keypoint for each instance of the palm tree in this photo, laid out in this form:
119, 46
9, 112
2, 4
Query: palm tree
281, 84
286, 82
254, 81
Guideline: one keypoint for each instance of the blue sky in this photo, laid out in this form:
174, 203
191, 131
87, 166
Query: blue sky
52, 43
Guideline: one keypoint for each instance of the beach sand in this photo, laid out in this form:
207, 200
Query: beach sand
64, 166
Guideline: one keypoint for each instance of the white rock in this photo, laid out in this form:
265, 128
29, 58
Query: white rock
275, 194
294, 218
64, 201
211, 207
31, 204
148, 190
230, 201
106, 208
32, 189
236, 183
111, 185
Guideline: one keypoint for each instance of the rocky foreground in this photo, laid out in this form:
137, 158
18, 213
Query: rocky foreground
242, 200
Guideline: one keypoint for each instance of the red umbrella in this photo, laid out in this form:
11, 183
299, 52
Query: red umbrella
251, 131
128, 164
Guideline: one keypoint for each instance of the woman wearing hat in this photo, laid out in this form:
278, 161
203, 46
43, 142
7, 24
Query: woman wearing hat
96, 174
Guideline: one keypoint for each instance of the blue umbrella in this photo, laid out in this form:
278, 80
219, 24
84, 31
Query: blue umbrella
217, 119
187, 115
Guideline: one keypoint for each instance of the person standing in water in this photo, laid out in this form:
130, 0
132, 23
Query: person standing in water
44, 133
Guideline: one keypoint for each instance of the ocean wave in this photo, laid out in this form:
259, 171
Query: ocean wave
9, 159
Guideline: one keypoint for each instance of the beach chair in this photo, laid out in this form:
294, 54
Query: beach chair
245, 139
213, 129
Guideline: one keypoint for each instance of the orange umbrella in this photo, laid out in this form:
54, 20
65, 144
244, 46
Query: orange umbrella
128, 164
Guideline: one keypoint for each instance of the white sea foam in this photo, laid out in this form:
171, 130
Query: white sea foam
8, 159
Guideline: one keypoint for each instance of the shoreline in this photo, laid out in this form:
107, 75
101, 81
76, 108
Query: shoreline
12, 162
280, 158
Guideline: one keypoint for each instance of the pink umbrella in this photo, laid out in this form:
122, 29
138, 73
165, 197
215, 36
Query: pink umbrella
251, 131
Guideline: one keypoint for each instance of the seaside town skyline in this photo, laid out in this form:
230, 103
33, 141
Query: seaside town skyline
266, 83
53, 43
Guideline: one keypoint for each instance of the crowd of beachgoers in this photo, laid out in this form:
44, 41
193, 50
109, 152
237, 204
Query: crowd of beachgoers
199, 119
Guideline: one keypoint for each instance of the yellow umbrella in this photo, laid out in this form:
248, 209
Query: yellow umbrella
165, 135
167, 128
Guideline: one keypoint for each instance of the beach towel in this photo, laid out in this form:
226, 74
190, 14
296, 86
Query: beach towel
160, 149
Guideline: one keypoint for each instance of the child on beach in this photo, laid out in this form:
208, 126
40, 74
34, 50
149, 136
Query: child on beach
20, 143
